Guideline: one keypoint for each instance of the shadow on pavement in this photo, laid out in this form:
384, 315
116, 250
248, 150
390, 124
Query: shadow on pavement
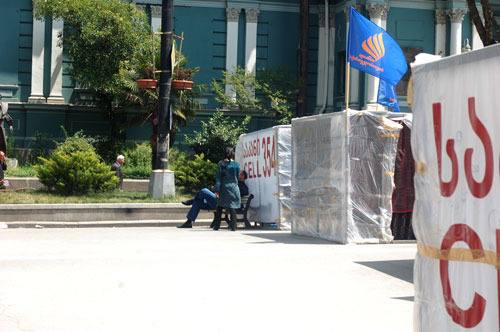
405, 298
401, 269
287, 238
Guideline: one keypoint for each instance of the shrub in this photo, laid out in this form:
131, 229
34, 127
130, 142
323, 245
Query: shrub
193, 175
76, 168
138, 156
215, 135
76, 143
77, 172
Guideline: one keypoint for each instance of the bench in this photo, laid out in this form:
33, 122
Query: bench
241, 213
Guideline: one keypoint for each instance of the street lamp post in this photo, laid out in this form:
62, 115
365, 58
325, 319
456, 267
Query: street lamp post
161, 182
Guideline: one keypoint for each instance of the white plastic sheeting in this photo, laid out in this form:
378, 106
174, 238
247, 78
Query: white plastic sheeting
342, 189
266, 156
456, 216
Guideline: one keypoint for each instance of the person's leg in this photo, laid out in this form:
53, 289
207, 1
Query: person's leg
218, 214
233, 219
208, 198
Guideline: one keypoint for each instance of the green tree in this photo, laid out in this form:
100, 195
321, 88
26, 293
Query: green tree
271, 92
101, 37
216, 134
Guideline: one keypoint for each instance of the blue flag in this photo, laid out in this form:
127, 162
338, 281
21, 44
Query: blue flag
372, 50
387, 95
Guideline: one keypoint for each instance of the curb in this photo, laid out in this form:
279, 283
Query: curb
104, 224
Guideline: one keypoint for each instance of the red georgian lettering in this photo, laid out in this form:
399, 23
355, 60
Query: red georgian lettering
479, 189
472, 316
447, 188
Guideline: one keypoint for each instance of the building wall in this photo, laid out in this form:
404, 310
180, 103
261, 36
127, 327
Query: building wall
204, 24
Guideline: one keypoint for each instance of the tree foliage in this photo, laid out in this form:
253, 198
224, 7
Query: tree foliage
271, 92
101, 37
216, 134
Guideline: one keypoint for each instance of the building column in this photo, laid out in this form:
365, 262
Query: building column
331, 65
354, 74
37, 60
324, 66
56, 64
378, 16
456, 17
320, 81
252, 16
477, 43
440, 32
232, 15
155, 18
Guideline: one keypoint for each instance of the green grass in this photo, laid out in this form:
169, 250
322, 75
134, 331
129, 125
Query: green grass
50, 197
28, 171
25, 171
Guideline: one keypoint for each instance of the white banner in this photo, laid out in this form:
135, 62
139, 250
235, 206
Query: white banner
263, 155
456, 147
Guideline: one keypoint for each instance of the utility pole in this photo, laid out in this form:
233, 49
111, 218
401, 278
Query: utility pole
161, 182
167, 28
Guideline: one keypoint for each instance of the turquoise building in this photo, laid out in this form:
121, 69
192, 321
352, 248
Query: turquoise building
219, 35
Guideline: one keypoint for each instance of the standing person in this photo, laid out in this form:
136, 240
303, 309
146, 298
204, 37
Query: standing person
117, 168
226, 188
206, 200
3, 167
4, 117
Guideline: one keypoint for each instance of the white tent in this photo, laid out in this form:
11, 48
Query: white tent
342, 188
266, 156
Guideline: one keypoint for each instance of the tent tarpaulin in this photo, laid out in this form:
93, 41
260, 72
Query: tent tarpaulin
456, 219
341, 189
266, 156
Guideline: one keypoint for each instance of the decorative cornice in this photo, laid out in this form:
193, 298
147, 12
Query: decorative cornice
233, 14
156, 11
377, 10
141, 7
252, 15
440, 16
457, 14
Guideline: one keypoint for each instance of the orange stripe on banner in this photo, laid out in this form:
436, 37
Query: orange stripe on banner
367, 50
381, 42
459, 255
389, 135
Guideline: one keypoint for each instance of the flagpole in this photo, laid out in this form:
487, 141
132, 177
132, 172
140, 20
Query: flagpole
347, 97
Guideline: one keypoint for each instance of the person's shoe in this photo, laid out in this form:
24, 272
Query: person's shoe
187, 202
187, 224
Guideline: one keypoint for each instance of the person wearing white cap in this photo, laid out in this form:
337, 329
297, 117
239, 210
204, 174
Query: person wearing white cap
117, 168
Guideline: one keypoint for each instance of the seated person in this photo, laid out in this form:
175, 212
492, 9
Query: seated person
206, 200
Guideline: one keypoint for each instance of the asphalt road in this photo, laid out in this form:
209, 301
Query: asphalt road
169, 279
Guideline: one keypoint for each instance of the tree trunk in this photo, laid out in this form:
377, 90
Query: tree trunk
484, 30
302, 58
